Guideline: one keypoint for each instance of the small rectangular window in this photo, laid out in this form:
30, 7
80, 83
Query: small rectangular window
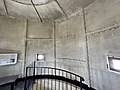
40, 57
114, 64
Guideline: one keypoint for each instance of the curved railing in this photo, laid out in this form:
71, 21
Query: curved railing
46, 78
34, 73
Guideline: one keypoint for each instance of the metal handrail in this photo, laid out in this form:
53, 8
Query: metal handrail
61, 70
66, 75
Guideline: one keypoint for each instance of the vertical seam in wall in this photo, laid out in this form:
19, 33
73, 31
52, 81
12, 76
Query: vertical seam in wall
26, 28
25, 46
61, 8
55, 49
55, 44
5, 6
36, 11
87, 50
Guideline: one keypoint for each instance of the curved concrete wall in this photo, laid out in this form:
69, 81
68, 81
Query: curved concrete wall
103, 36
79, 44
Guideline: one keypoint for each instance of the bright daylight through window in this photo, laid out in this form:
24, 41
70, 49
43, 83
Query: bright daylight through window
40, 57
114, 64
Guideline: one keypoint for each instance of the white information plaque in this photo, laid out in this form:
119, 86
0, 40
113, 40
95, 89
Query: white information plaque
8, 58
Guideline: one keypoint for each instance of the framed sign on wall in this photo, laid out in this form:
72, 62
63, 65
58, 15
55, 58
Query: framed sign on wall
8, 58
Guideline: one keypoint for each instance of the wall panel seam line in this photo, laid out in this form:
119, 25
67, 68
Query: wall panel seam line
25, 46
38, 38
103, 30
61, 8
87, 50
55, 43
36, 11
5, 7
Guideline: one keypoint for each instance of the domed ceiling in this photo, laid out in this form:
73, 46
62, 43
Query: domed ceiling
42, 10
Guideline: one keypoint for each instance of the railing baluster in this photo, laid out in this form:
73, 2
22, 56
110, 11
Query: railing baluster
59, 80
26, 79
55, 79
48, 79
81, 83
76, 80
40, 84
37, 84
12, 86
44, 84
41, 81
44, 79
44, 70
62, 81
34, 69
37, 80
66, 82
41, 71
29, 71
71, 78
51, 79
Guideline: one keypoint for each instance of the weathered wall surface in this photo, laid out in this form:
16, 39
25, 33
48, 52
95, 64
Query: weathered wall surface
103, 36
61, 41
12, 40
40, 40
79, 44
71, 46
27, 38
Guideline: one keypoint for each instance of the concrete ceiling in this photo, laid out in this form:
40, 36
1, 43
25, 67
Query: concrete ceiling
42, 10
